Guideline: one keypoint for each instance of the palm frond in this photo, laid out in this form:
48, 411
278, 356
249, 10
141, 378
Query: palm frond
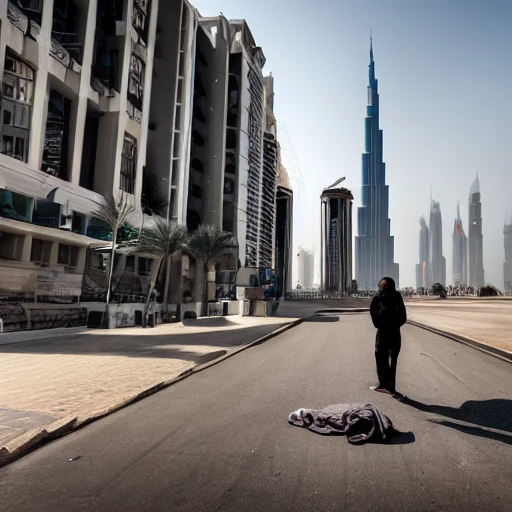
164, 239
207, 242
113, 213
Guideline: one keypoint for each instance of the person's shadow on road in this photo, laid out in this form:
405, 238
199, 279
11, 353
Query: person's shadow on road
495, 414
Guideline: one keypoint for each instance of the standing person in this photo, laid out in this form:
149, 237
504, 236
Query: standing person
388, 315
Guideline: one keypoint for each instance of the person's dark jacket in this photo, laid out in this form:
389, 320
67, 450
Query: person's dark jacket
388, 310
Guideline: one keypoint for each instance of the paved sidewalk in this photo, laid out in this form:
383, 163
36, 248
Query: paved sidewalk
52, 382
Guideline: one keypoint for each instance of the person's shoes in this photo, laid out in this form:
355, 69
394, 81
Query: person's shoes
380, 389
398, 396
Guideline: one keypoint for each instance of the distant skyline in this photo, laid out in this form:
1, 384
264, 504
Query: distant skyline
444, 71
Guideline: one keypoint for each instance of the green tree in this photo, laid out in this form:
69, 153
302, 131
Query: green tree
114, 215
205, 244
438, 289
489, 290
163, 240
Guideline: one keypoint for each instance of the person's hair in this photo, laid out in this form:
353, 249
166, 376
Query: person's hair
390, 282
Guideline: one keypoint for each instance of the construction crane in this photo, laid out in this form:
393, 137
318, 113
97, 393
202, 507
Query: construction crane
337, 182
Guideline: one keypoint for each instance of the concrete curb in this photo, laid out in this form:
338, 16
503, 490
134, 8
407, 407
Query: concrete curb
36, 438
483, 347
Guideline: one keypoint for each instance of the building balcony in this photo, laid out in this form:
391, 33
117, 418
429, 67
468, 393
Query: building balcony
71, 43
106, 75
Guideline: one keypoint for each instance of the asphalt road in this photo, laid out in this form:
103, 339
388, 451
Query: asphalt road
220, 440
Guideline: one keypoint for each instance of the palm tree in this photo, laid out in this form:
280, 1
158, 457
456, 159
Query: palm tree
205, 244
114, 215
163, 241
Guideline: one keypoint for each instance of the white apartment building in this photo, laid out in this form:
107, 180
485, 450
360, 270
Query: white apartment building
76, 81
233, 152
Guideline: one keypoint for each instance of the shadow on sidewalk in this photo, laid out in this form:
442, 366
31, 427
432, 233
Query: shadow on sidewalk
122, 343
495, 413
322, 318
208, 321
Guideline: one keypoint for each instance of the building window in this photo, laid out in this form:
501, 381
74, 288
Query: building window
229, 186
32, 9
195, 191
68, 255
136, 87
15, 206
18, 92
130, 264
65, 28
140, 20
128, 163
40, 252
11, 246
145, 266
55, 153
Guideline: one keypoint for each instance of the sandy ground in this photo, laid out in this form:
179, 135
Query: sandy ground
485, 320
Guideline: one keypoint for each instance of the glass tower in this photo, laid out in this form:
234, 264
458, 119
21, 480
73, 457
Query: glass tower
421, 267
475, 238
437, 262
374, 243
460, 252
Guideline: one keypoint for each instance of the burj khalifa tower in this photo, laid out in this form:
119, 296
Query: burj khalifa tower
374, 243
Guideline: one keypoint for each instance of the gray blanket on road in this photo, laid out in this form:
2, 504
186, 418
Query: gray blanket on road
360, 423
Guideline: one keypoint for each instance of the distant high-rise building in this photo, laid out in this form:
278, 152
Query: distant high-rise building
476, 253
283, 231
306, 268
460, 252
437, 262
374, 243
421, 267
507, 266
336, 262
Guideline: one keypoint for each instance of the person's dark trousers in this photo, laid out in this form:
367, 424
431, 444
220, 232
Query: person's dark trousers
387, 348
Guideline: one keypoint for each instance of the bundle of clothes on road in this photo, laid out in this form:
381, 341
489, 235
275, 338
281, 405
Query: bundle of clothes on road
359, 423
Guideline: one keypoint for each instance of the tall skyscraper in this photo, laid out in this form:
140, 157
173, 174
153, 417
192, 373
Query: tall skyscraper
437, 262
507, 266
374, 243
476, 254
460, 252
306, 268
421, 267
336, 262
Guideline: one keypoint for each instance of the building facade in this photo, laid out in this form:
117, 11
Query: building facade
143, 100
422, 266
460, 252
76, 80
336, 240
475, 238
374, 243
507, 265
437, 262
283, 232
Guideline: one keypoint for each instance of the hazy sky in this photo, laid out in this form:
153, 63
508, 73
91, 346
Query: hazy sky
445, 75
